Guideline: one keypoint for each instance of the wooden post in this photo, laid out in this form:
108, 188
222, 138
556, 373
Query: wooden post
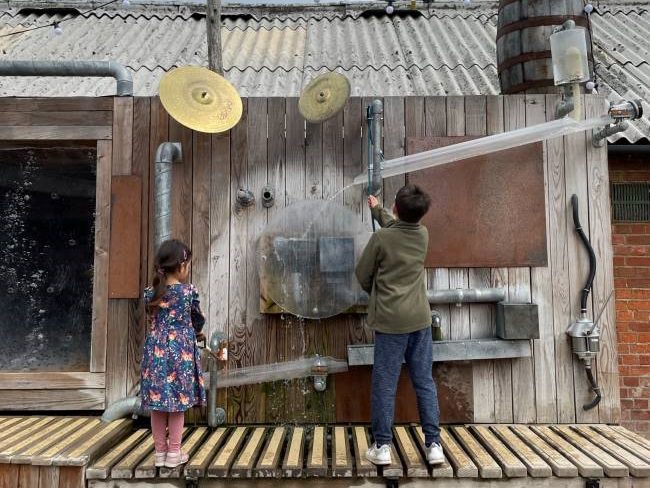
215, 62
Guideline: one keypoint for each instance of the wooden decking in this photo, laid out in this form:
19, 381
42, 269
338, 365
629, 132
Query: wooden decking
119, 454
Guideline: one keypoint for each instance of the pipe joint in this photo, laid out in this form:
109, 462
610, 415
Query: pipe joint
169, 152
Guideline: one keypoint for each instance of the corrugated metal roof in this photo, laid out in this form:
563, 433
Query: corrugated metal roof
444, 50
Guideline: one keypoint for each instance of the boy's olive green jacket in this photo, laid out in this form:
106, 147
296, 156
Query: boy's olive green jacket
391, 270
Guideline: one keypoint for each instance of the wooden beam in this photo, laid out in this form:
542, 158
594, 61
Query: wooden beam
51, 381
56, 133
72, 118
61, 104
81, 399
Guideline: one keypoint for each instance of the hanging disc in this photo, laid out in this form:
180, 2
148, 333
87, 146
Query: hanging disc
324, 97
200, 99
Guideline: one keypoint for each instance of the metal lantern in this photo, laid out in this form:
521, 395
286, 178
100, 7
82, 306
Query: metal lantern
569, 52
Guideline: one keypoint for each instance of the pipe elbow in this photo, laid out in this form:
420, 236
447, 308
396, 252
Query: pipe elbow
169, 152
125, 407
123, 78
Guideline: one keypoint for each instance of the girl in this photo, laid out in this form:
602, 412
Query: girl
171, 380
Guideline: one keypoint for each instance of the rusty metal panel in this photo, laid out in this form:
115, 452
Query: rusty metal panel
124, 259
487, 211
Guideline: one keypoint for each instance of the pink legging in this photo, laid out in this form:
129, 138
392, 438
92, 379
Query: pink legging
160, 423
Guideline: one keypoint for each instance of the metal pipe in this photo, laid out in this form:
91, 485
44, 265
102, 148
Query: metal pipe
471, 295
123, 408
166, 154
598, 136
377, 155
216, 416
72, 68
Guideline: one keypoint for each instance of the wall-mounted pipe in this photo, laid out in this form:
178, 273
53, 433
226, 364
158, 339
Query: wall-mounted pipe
457, 296
166, 154
72, 68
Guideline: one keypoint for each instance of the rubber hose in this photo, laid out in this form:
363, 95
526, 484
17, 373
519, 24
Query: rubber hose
592, 256
596, 390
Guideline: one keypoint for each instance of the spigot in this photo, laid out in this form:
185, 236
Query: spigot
319, 372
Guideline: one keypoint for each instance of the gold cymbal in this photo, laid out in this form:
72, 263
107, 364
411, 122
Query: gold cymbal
200, 99
324, 97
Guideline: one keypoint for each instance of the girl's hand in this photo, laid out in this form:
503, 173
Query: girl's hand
372, 201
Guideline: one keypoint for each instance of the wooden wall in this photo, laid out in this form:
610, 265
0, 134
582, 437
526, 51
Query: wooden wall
273, 145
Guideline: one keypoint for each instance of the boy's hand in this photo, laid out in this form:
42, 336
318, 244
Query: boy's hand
372, 201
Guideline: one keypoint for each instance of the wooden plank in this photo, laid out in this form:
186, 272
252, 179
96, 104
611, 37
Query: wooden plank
442, 470
559, 264
48, 477
60, 104
637, 466
9, 475
102, 249
341, 457
101, 468
560, 465
333, 157
26, 454
612, 467
28, 476
535, 465
72, 477
586, 466
317, 454
623, 441
542, 295
190, 446
84, 118
51, 380
94, 445
463, 465
414, 462
81, 399
125, 468
21, 423
116, 349
198, 463
124, 259
182, 184
56, 133
600, 234
29, 430
43, 433
393, 143
269, 462
295, 154
8, 422
488, 467
632, 435
122, 135
243, 466
519, 291
512, 467
363, 467
292, 466
220, 466
394, 469
46, 458
314, 161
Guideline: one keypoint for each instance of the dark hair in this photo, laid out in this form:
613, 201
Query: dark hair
171, 254
412, 203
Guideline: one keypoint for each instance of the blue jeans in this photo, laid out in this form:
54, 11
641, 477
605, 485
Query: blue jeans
417, 350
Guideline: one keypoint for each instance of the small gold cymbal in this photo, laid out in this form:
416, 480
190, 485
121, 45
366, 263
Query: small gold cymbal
324, 97
200, 99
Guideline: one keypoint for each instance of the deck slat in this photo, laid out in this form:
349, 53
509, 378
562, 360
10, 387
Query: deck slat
463, 465
511, 465
243, 466
25, 455
268, 464
394, 469
638, 467
190, 446
341, 456
642, 441
443, 470
624, 442
226, 455
317, 457
413, 459
587, 467
95, 444
487, 466
21, 439
292, 467
197, 465
612, 467
560, 465
147, 468
47, 457
10, 452
535, 465
124, 469
10, 428
102, 467
360, 444
28, 431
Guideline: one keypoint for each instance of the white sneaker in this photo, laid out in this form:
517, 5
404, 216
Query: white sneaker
379, 455
434, 454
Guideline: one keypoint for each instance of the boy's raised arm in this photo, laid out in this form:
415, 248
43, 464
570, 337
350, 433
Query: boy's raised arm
379, 213
367, 266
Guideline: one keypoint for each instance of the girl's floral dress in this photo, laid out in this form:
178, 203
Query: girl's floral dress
171, 379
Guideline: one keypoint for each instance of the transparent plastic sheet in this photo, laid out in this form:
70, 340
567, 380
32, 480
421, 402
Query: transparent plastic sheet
288, 370
485, 145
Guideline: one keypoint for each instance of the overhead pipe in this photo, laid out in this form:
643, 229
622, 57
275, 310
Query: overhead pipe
457, 296
72, 68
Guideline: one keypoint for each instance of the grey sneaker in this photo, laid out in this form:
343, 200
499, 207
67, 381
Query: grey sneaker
175, 459
379, 455
434, 454
159, 459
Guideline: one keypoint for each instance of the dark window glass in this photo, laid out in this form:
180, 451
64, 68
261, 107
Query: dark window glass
47, 238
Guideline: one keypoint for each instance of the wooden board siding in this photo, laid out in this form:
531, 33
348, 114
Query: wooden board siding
273, 145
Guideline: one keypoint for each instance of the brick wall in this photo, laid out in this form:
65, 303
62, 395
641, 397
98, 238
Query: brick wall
632, 282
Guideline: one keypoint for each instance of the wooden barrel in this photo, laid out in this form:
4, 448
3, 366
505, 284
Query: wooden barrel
523, 46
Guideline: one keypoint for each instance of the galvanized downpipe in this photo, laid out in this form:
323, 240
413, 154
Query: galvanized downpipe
72, 68
166, 154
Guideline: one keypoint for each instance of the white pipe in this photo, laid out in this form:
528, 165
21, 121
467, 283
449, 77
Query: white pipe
485, 145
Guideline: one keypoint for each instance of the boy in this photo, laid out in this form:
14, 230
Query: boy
391, 270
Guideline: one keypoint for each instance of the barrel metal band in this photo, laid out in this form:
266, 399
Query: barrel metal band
522, 58
545, 20
527, 85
